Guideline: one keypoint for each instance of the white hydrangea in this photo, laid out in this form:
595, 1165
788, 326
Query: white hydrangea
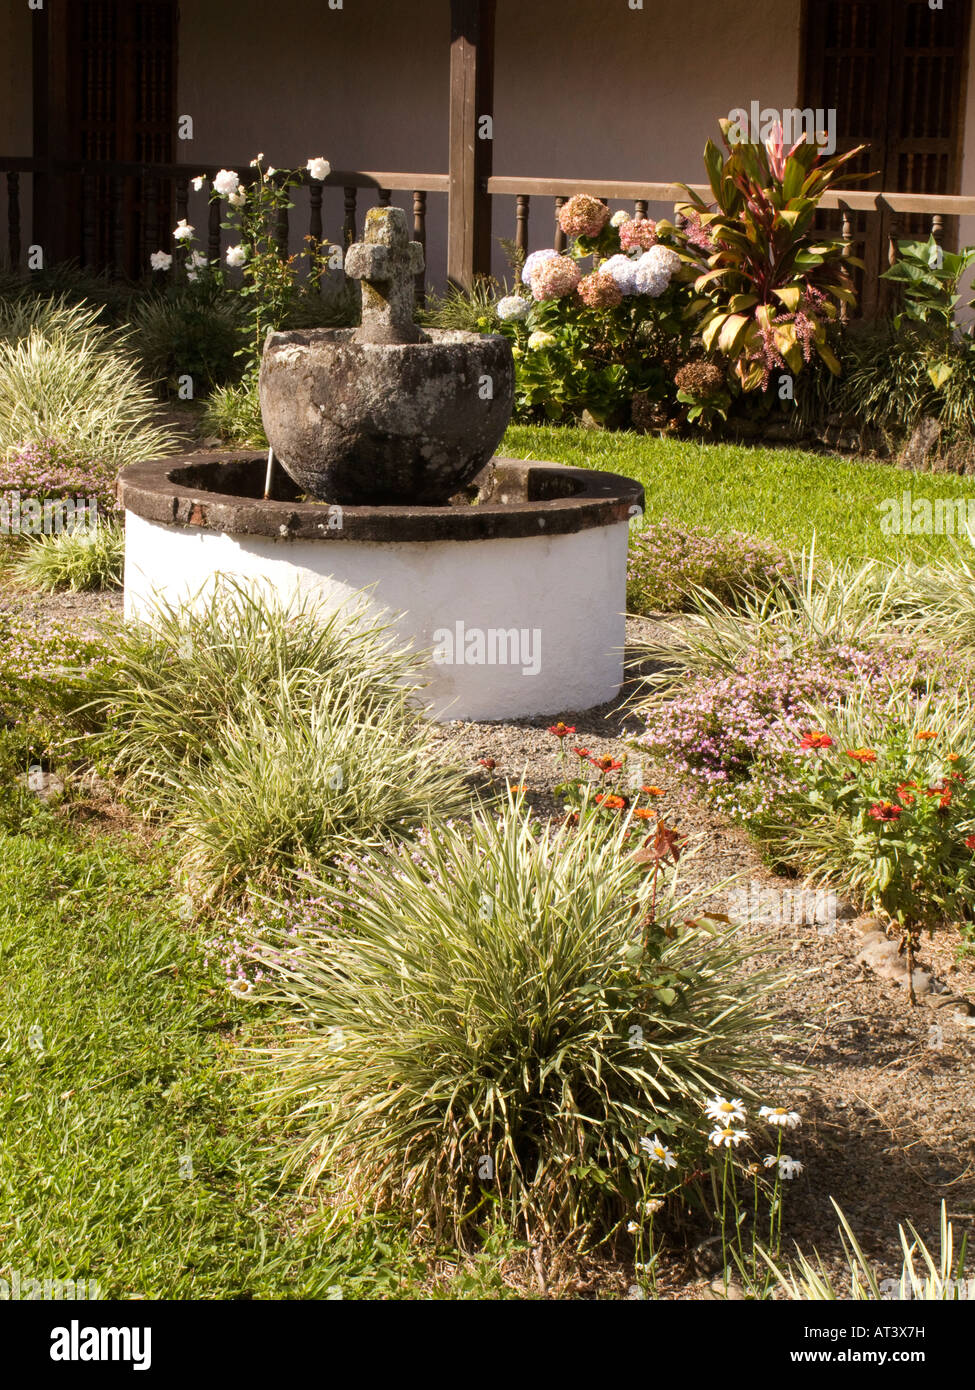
226, 183
621, 269
319, 168
652, 277
663, 256
536, 259
161, 260
236, 256
183, 232
618, 218
513, 307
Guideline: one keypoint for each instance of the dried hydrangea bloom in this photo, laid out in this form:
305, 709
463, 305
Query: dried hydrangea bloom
555, 278
599, 291
583, 216
536, 259
638, 234
700, 379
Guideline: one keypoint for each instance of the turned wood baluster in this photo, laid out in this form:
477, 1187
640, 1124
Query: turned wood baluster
118, 226
282, 230
420, 235
384, 197
937, 228
150, 220
847, 235
521, 223
214, 213
182, 199
315, 231
560, 238
348, 229
641, 207
87, 219
13, 219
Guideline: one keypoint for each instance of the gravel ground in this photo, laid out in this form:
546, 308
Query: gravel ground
887, 1101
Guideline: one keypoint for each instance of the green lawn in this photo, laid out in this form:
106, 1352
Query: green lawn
132, 1152
781, 495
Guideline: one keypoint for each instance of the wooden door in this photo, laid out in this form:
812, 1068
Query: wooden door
121, 97
895, 73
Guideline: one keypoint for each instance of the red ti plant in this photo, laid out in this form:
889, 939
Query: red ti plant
769, 283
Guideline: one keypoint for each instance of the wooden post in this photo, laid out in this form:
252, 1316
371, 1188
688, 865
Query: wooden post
471, 145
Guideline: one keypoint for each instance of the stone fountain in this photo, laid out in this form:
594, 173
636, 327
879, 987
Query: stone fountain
511, 574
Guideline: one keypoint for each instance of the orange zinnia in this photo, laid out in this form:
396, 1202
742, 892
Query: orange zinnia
926, 734
862, 755
654, 791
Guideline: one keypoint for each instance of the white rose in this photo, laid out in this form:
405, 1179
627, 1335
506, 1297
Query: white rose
319, 168
160, 260
236, 255
184, 232
197, 260
238, 199
226, 183
198, 183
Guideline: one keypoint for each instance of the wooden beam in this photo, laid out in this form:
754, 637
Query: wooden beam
472, 24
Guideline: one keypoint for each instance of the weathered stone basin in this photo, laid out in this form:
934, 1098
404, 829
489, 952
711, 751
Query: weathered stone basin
385, 424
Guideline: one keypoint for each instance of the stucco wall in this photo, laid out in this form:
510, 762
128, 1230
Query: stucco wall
581, 89
16, 113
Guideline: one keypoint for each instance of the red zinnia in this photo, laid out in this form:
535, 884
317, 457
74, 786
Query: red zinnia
612, 803
885, 811
606, 764
582, 752
906, 796
560, 730
970, 842
489, 763
816, 739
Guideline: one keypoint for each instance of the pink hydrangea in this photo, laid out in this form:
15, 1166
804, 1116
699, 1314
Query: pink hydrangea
583, 216
600, 291
555, 278
638, 234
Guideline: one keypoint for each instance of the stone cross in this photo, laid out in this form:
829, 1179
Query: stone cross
386, 262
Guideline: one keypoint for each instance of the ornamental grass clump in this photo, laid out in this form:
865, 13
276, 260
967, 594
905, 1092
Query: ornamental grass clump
77, 559
69, 379
273, 736
486, 1026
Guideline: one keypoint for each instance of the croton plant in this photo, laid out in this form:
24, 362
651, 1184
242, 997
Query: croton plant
770, 282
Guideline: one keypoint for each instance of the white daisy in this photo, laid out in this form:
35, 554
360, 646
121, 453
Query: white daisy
781, 1115
789, 1167
727, 1137
731, 1112
658, 1152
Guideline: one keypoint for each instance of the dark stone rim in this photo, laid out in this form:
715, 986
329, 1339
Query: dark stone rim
152, 491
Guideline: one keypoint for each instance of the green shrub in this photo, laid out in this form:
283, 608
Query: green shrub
70, 380
234, 413
489, 1025
190, 332
668, 562
76, 559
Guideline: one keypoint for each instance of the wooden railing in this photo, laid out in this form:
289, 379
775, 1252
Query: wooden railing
121, 213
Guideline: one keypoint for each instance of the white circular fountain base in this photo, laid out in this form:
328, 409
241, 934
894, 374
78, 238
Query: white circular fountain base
516, 626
